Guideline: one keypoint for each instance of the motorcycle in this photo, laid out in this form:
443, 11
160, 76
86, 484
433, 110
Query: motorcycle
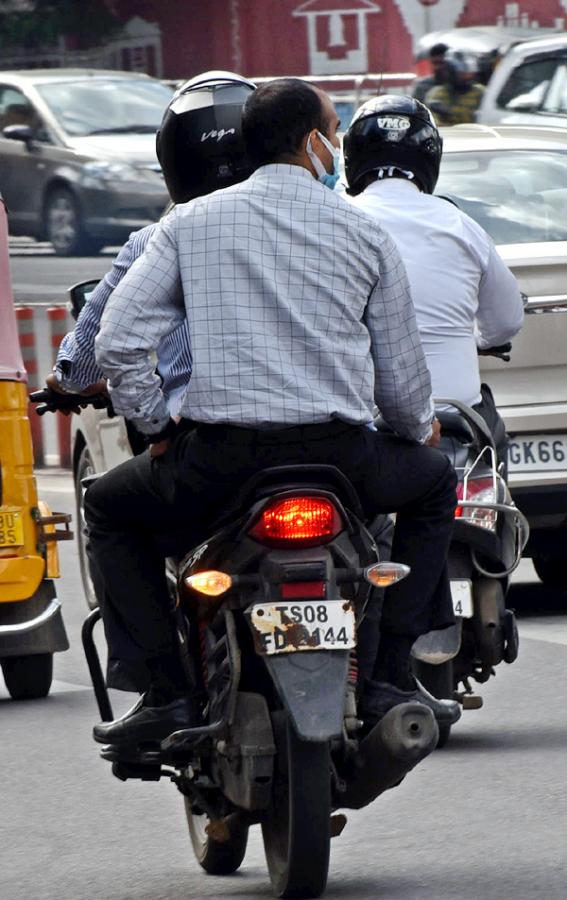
489, 536
267, 612
31, 622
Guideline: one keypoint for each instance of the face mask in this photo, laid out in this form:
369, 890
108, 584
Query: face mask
322, 174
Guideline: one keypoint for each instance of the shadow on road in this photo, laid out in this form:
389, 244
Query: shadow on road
524, 738
536, 599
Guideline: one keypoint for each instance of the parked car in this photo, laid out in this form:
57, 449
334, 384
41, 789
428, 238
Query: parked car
529, 86
78, 165
513, 181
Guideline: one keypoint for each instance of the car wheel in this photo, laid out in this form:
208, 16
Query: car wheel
64, 227
551, 570
84, 468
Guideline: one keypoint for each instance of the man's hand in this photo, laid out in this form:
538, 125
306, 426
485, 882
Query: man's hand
99, 387
158, 449
435, 438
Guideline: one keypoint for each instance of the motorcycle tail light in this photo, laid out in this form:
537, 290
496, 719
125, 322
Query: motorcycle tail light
212, 583
481, 489
299, 521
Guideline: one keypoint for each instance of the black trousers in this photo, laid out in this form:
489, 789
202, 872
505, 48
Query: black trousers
132, 507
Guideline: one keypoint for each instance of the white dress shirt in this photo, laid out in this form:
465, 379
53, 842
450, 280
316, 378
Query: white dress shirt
298, 307
464, 295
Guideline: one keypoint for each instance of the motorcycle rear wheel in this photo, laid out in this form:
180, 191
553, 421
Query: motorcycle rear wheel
215, 857
296, 827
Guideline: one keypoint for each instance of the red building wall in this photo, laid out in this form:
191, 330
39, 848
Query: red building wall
271, 37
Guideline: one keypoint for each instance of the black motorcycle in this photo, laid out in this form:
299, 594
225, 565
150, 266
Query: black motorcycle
268, 610
489, 536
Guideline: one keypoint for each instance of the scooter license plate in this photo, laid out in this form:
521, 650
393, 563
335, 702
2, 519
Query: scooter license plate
11, 527
289, 627
461, 592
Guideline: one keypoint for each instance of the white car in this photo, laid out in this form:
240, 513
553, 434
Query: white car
529, 86
513, 181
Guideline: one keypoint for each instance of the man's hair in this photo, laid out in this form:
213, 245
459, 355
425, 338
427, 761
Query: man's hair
438, 50
276, 118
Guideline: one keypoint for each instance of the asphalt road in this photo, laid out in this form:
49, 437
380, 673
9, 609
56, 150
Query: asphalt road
483, 819
41, 277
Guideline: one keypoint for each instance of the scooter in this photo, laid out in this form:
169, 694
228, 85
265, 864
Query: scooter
489, 536
268, 611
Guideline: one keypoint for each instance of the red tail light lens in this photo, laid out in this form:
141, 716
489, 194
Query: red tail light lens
301, 521
480, 490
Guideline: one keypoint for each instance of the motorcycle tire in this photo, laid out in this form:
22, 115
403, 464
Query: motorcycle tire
296, 827
28, 677
439, 681
215, 857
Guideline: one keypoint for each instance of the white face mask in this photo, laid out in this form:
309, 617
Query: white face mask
329, 180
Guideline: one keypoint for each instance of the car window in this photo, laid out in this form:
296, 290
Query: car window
517, 196
101, 105
556, 98
16, 109
527, 84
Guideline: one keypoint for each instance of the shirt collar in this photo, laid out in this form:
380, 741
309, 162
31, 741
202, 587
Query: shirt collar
392, 185
282, 169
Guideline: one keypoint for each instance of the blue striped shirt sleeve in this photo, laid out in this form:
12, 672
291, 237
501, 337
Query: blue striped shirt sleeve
75, 366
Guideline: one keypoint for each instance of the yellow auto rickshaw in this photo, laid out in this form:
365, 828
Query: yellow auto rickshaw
31, 624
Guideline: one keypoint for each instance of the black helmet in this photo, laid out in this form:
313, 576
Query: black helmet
199, 144
460, 67
393, 131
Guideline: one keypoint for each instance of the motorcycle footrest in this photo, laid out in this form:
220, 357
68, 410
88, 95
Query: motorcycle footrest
133, 762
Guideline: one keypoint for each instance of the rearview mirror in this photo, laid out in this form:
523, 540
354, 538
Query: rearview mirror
79, 295
18, 133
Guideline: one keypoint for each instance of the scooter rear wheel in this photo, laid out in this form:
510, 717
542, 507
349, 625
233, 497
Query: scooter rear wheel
296, 828
216, 857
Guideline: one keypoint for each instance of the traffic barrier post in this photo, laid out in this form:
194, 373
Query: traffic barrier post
26, 332
57, 317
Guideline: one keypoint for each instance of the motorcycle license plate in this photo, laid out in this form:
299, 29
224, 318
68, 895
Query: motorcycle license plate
11, 528
289, 627
461, 592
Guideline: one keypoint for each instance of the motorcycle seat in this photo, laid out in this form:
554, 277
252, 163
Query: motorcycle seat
453, 424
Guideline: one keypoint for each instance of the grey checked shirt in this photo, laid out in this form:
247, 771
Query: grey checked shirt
298, 307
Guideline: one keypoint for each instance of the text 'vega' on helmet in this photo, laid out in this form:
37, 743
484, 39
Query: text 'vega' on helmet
199, 144
392, 131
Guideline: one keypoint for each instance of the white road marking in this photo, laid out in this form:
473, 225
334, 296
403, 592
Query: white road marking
65, 687
552, 629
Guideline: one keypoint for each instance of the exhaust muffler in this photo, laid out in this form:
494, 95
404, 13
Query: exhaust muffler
397, 743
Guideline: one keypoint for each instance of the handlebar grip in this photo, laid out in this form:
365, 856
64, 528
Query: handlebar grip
53, 401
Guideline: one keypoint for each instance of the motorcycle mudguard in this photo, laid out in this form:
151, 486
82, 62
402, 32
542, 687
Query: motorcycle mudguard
437, 647
312, 686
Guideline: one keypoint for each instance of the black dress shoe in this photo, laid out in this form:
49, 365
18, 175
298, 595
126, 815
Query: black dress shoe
148, 724
379, 697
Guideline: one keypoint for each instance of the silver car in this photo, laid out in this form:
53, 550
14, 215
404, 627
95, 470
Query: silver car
513, 181
529, 85
78, 165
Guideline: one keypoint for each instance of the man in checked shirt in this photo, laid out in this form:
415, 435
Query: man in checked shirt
300, 319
